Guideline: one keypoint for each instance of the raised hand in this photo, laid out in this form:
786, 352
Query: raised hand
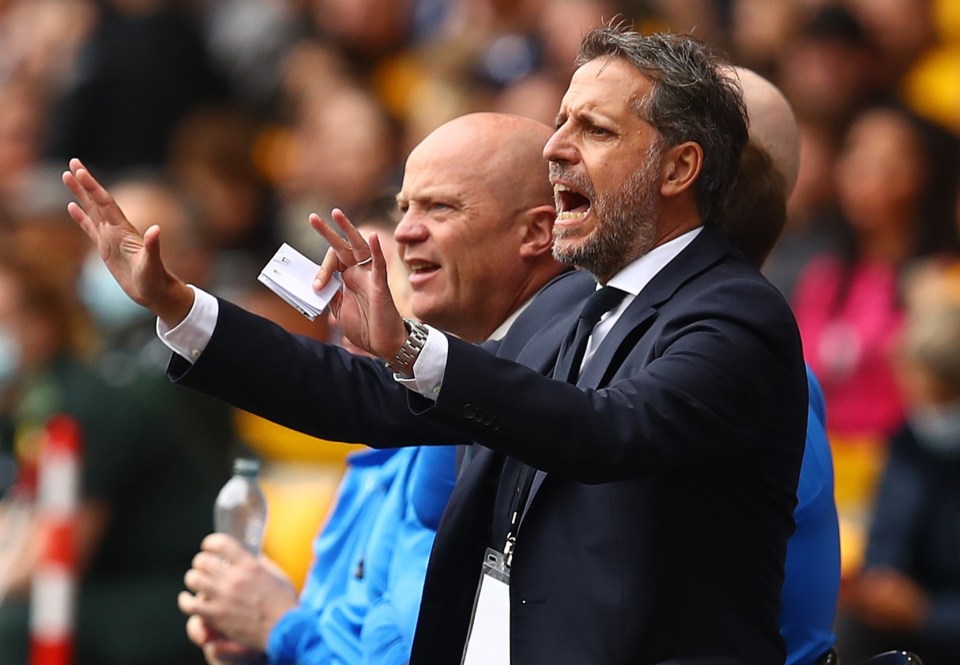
133, 259
365, 311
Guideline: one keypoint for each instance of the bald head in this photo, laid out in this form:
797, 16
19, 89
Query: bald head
503, 151
772, 125
757, 209
477, 227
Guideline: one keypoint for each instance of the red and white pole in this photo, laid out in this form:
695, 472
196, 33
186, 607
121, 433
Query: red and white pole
53, 591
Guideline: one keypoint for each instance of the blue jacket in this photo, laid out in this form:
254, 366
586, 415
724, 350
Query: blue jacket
361, 598
812, 570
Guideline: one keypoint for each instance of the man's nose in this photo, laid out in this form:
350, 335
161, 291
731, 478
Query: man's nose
410, 229
560, 148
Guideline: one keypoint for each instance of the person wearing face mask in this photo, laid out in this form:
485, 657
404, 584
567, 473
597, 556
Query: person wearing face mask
145, 494
908, 595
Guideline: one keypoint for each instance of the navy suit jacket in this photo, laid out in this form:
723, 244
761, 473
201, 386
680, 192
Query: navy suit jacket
659, 531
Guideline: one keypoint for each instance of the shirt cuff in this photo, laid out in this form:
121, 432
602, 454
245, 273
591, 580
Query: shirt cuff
191, 336
429, 366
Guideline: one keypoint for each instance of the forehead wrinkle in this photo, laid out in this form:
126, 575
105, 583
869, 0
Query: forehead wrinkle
627, 76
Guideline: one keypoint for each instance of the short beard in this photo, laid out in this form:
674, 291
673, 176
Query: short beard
627, 221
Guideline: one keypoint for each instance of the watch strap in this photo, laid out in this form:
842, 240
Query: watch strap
402, 362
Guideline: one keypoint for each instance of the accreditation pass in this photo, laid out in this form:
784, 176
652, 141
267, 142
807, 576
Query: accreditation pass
488, 639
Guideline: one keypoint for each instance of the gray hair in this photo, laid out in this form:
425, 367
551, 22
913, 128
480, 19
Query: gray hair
692, 99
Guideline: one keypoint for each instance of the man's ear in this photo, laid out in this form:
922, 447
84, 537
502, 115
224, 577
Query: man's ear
537, 238
681, 166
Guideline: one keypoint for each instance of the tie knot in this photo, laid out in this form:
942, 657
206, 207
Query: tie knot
600, 302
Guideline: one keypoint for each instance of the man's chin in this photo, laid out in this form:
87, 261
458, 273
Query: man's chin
429, 311
568, 249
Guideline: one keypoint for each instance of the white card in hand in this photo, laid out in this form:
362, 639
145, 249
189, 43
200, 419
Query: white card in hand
290, 275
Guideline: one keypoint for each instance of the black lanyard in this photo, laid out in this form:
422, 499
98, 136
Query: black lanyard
518, 504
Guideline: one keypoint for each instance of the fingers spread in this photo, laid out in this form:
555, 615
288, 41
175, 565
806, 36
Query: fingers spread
71, 182
97, 193
82, 219
358, 246
95, 201
337, 243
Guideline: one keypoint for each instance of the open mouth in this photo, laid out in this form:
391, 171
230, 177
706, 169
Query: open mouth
420, 270
570, 203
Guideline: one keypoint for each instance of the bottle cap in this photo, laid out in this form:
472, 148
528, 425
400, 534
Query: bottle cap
246, 466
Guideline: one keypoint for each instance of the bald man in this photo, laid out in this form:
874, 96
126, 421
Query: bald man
754, 219
475, 237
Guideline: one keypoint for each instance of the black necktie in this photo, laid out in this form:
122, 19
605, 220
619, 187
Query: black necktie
516, 478
575, 345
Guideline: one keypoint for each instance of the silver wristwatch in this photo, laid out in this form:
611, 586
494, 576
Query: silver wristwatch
402, 362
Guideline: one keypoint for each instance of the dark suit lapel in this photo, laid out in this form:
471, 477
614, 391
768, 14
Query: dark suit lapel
632, 324
462, 536
705, 250
540, 352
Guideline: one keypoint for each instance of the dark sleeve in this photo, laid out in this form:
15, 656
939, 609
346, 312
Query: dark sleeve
315, 388
721, 378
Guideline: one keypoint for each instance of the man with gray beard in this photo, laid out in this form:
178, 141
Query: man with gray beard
630, 213
638, 444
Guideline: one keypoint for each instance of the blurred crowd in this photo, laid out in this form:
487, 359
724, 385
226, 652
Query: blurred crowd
227, 121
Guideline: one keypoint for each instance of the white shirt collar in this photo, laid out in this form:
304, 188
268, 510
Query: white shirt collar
636, 275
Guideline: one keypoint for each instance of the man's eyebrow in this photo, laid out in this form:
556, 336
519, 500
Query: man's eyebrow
583, 115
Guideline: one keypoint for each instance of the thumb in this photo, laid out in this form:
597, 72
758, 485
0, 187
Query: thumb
151, 243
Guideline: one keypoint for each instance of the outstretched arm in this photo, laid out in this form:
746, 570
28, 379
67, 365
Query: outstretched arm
133, 259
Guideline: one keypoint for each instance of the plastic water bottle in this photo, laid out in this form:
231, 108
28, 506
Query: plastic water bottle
241, 509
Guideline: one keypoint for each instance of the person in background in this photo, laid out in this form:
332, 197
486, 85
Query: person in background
129, 354
849, 302
489, 218
146, 495
213, 159
908, 593
127, 61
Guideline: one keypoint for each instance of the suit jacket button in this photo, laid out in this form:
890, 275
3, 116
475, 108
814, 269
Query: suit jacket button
469, 411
